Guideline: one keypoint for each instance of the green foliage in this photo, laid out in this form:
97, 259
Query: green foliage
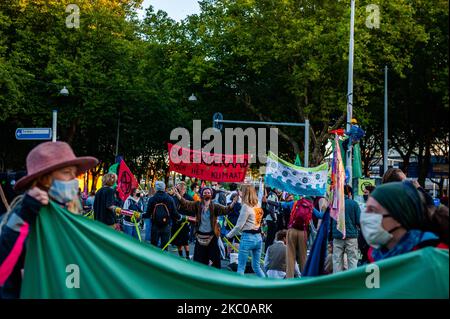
277, 60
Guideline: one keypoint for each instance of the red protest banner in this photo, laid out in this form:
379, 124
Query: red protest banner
125, 181
208, 166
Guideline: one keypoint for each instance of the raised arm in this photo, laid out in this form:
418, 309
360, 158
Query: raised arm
318, 213
187, 205
224, 210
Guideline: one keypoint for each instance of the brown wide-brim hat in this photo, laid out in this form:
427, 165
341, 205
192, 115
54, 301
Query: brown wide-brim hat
50, 156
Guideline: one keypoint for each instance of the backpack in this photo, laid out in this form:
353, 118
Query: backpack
161, 215
301, 215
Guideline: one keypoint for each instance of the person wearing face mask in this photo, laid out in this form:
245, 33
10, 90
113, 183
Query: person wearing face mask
132, 203
207, 230
393, 222
52, 168
367, 191
363, 246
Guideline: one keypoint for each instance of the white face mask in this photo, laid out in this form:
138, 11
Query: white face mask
373, 231
64, 192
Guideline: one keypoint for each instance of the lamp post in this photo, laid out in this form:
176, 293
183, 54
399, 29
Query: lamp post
117, 137
350, 90
64, 92
386, 147
192, 98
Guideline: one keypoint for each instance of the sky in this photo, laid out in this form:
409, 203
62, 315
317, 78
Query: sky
176, 9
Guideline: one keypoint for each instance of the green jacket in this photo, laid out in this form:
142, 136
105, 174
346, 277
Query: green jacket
352, 214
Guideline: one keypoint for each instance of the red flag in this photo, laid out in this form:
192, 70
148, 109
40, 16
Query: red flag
339, 131
125, 181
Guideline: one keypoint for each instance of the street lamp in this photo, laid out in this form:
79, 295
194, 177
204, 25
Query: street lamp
192, 98
64, 92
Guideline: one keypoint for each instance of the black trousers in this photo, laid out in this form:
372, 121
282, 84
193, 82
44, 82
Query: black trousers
272, 228
203, 254
162, 234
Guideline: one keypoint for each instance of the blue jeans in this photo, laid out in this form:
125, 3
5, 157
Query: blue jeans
251, 244
148, 228
130, 230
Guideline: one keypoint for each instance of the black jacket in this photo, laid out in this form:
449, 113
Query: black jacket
16, 230
162, 197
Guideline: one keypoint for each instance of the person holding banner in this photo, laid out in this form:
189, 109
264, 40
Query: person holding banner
104, 202
52, 170
207, 230
132, 203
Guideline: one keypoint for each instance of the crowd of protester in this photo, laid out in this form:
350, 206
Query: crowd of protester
272, 235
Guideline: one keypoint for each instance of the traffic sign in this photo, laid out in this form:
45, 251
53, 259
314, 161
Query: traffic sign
217, 117
34, 133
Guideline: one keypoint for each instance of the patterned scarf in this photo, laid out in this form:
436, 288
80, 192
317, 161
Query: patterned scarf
406, 244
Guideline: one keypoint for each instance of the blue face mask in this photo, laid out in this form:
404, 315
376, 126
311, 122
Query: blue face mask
64, 192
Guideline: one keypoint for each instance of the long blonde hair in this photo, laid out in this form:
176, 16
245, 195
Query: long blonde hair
249, 196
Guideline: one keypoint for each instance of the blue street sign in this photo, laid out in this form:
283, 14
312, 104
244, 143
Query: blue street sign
34, 133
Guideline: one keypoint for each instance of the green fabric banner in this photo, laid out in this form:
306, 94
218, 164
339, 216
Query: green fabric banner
357, 163
69, 256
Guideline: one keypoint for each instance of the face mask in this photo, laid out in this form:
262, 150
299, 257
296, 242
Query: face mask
372, 230
63, 192
366, 197
207, 197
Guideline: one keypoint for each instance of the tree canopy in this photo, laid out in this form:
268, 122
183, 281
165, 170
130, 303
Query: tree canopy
273, 60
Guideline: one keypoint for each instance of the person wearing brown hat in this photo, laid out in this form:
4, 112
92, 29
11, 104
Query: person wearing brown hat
52, 168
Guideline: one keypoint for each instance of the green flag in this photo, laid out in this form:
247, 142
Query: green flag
69, 256
114, 168
357, 163
298, 162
